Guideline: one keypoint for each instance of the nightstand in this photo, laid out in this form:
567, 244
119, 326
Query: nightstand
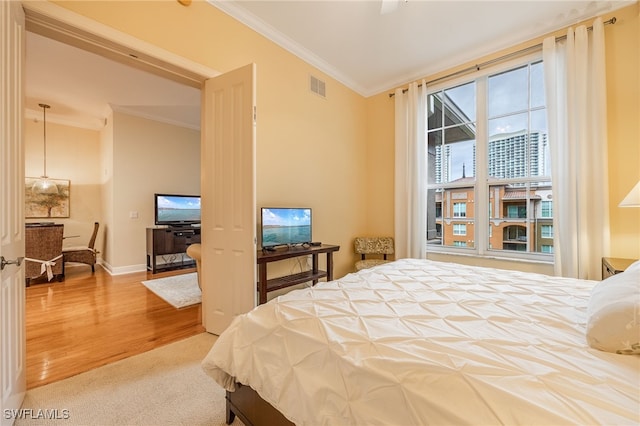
614, 265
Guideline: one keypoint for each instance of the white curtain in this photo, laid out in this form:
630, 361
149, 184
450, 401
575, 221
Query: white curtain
576, 100
410, 172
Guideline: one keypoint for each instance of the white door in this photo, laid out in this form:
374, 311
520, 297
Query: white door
228, 198
12, 284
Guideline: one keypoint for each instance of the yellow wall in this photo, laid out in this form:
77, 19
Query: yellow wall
72, 153
623, 79
623, 114
114, 172
309, 149
322, 153
148, 157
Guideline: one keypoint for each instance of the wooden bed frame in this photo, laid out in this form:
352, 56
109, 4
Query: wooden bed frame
252, 409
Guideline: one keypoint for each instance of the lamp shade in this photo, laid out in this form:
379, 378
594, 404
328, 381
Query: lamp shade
633, 197
44, 186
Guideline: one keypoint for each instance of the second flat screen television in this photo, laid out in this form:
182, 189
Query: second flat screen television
285, 226
177, 209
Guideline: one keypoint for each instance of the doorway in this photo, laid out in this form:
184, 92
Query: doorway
41, 25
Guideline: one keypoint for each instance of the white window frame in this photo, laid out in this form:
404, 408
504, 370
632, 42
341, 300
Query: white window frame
481, 187
459, 226
544, 234
548, 249
461, 210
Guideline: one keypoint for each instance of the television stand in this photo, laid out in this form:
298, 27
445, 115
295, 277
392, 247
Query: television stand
170, 241
263, 258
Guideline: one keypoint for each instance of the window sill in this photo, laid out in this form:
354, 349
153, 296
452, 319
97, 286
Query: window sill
494, 261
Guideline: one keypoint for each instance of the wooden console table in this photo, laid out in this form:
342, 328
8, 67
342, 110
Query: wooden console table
170, 241
265, 257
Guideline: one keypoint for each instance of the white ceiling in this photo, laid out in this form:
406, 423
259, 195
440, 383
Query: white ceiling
371, 51
350, 40
81, 86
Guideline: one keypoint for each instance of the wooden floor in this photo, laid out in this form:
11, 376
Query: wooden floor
89, 320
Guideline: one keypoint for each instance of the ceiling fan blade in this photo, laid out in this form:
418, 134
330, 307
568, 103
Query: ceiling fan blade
388, 6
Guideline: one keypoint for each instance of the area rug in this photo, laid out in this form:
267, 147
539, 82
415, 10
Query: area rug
163, 387
178, 290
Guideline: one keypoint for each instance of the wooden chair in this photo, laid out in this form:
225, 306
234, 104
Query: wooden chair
86, 254
376, 246
43, 252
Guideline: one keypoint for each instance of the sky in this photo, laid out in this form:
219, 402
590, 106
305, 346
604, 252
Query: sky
169, 202
286, 216
507, 94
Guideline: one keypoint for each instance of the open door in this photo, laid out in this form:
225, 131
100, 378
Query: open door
12, 284
228, 192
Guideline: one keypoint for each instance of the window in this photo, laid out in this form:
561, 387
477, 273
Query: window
515, 233
488, 162
459, 229
459, 244
517, 211
546, 248
459, 209
546, 231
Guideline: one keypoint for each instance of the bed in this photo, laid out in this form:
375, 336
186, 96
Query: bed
424, 342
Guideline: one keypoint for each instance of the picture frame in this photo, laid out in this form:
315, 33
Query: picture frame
47, 205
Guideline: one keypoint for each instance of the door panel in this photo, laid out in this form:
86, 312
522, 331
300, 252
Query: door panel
228, 198
12, 284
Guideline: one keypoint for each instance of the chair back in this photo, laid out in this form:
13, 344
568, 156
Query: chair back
92, 240
374, 245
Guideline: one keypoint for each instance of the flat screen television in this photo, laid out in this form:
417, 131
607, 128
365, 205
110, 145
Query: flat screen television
176, 209
285, 226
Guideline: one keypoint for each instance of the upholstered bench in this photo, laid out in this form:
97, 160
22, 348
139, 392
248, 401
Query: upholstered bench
194, 252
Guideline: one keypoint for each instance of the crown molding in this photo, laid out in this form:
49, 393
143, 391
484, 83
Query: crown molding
81, 122
266, 30
149, 116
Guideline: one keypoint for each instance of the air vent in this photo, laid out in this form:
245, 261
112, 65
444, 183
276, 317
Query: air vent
318, 86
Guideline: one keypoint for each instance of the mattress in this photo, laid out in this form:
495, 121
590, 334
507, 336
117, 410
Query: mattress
424, 342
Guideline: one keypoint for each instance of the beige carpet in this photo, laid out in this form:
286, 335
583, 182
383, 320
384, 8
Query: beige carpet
179, 291
165, 386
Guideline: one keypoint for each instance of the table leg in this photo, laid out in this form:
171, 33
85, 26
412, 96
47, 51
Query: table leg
329, 266
262, 283
314, 266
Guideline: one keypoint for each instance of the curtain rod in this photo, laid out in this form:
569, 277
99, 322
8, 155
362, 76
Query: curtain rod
477, 67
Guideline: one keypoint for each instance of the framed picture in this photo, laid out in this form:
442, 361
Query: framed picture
46, 205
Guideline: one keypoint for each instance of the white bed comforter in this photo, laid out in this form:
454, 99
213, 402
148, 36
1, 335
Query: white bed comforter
422, 342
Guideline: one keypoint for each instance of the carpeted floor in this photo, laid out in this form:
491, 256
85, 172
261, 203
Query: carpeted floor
179, 291
165, 386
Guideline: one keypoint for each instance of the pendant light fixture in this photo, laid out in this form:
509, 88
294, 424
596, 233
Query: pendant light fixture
44, 185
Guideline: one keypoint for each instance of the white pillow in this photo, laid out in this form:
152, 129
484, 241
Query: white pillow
613, 323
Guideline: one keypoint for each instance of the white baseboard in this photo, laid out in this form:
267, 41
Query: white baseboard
121, 270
